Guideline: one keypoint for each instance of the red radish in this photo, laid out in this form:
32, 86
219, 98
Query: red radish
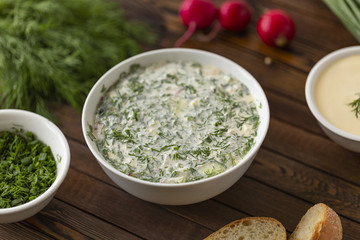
276, 28
234, 15
196, 14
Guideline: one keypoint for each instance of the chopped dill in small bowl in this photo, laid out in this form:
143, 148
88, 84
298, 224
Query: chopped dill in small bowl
27, 168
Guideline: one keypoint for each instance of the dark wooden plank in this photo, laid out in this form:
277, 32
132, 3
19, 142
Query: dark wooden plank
112, 204
59, 220
313, 150
16, 231
54, 229
83, 161
306, 183
311, 8
62, 221
211, 214
69, 122
293, 113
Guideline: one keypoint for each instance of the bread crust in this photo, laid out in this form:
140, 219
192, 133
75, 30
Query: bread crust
328, 228
331, 227
243, 220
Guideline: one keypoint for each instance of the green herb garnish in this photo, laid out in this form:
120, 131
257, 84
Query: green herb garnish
27, 168
53, 50
348, 11
355, 105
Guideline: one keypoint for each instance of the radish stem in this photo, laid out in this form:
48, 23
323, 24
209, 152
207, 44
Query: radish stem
212, 34
189, 32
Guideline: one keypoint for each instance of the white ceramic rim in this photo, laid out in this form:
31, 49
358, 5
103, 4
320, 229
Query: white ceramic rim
265, 121
310, 84
65, 159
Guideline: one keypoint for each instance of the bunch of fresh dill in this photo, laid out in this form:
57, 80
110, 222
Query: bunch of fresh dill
54, 51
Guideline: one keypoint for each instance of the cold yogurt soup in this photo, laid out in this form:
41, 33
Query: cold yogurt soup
175, 122
337, 86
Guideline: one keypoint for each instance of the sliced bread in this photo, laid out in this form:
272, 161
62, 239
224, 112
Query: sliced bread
320, 222
251, 228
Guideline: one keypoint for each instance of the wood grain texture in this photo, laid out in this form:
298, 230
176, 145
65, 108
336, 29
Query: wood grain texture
123, 210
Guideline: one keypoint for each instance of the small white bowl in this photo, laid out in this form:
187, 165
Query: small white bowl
48, 133
177, 193
341, 137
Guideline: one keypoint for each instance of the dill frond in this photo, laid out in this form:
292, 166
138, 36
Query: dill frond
355, 106
54, 51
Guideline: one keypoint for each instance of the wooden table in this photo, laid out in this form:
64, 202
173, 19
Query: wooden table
297, 166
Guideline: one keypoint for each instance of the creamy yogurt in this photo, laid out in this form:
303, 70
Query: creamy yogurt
175, 122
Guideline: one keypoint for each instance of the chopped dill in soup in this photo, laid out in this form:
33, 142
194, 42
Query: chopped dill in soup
175, 122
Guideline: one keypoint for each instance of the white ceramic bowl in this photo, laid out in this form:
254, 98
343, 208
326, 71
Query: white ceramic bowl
344, 139
48, 133
177, 193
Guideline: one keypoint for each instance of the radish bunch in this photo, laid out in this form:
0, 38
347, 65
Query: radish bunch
274, 27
